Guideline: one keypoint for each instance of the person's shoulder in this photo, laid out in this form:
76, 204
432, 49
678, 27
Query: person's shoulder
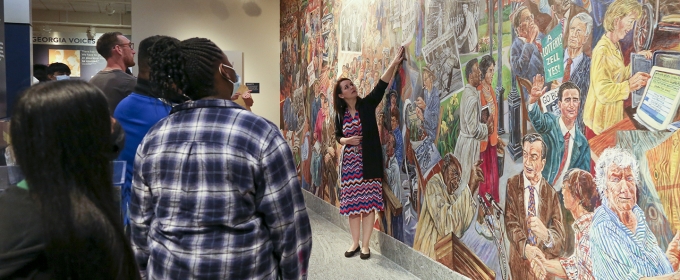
136, 101
548, 188
258, 123
15, 195
514, 180
580, 137
96, 77
584, 67
17, 208
132, 98
604, 46
602, 220
470, 91
123, 75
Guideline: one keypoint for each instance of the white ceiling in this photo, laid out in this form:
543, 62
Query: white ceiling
86, 6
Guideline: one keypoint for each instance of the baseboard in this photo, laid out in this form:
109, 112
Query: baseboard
413, 261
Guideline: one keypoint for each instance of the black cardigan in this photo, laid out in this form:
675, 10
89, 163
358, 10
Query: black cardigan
22, 248
370, 144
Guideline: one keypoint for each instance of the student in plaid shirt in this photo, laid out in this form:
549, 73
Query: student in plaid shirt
215, 194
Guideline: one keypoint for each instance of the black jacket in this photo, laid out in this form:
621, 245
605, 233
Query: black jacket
22, 251
370, 144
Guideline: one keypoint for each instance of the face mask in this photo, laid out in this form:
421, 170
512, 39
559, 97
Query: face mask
237, 84
62, 77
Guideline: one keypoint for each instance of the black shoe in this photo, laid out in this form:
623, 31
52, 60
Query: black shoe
365, 256
350, 254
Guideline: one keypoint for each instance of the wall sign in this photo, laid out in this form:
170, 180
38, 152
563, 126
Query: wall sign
254, 87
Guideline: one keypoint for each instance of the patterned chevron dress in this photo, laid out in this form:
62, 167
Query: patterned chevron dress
356, 194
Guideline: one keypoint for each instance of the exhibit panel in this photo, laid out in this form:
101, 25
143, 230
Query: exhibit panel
527, 97
77, 50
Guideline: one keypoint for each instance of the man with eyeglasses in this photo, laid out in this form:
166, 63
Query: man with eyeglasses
112, 80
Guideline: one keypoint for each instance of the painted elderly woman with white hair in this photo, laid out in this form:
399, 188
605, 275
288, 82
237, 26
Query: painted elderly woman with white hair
622, 244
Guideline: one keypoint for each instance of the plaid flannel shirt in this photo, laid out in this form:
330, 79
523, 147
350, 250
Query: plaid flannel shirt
215, 195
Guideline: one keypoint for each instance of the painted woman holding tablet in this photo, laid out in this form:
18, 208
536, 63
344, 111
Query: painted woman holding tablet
611, 81
361, 167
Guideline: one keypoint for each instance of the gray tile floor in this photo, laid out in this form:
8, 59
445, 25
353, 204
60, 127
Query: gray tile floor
328, 262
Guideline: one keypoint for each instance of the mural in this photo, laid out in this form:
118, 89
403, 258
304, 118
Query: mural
513, 141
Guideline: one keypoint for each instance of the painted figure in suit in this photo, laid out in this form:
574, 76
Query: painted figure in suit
533, 219
541, 14
564, 11
578, 60
525, 56
557, 132
567, 145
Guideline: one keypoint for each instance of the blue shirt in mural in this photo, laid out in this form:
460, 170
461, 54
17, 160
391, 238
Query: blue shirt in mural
620, 254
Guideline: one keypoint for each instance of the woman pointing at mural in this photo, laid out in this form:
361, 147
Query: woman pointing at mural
610, 79
361, 168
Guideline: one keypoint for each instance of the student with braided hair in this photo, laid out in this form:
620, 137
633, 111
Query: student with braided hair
215, 194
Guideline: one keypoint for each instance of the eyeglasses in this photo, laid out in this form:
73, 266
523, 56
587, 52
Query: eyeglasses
131, 45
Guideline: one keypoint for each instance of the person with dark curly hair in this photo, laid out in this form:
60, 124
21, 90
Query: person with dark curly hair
215, 193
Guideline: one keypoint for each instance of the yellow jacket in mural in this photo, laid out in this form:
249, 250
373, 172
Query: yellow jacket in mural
608, 87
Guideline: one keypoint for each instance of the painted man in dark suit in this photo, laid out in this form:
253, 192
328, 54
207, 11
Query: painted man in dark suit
525, 55
567, 145
558, 132
533, 219
577, 61
563, 12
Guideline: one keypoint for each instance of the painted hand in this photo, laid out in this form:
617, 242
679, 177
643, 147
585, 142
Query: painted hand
537, 89
476, 176
399, 57
647, 54
531, 252
501, 146
537, 267
638, 81
489, 127
539, 229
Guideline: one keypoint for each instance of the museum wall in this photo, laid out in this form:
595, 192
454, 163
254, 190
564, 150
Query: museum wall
479, 77
250, 27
